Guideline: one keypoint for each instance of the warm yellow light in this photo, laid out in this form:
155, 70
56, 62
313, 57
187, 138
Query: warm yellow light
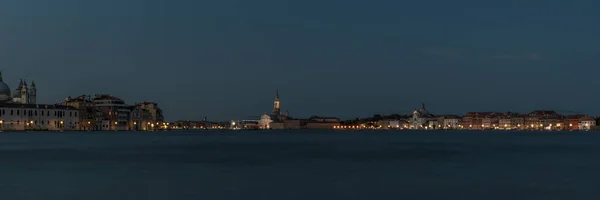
61, 122
116, 123
89, 122
134, 123
1, 121
31, 122
570, 124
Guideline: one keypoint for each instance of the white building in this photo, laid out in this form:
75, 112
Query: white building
420, 118
38, 117
451, 123
19, 111
587, 123
265, 121
433, 124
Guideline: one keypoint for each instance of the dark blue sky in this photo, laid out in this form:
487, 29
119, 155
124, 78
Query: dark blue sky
224, 59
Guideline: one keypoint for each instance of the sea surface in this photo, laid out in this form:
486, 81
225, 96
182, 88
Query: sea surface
289, 165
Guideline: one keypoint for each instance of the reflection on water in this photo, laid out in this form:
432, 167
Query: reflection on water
300, 165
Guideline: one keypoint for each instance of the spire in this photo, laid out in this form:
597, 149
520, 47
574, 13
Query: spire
276, 94
0, 75
422, 106
32, 83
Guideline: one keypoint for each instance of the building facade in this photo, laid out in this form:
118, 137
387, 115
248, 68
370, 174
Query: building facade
112, 112
87, 111
421, 118
19, 111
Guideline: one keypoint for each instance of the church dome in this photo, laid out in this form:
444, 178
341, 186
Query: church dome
4, 91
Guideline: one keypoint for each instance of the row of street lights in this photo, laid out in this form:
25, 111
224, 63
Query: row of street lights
29, 124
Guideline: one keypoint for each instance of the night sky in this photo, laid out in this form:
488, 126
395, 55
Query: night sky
224, 59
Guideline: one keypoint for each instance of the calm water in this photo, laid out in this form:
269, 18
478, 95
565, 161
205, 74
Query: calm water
300, 165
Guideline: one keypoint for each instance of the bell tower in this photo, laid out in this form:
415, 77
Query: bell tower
276, 104
24, 93
32, 93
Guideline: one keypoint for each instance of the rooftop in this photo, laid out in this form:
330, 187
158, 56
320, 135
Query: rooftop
36, 106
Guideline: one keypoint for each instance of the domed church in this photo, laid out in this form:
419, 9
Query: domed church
22, 94
19, 111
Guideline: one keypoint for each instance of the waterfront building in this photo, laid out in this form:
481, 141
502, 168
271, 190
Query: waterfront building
156, 113
511, 121
433, 124
542, 119
491, 120
265, 122
293, 124
449, 122
106, 112
113, 112
474, 120
586, 123
141, 119
572, 122
146, 116
579, 122
187, 124
391, 124
87, 111
421, 118
250, 124
316, 122
19, 111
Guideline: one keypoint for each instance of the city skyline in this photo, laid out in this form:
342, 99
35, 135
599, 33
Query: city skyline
225, 59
